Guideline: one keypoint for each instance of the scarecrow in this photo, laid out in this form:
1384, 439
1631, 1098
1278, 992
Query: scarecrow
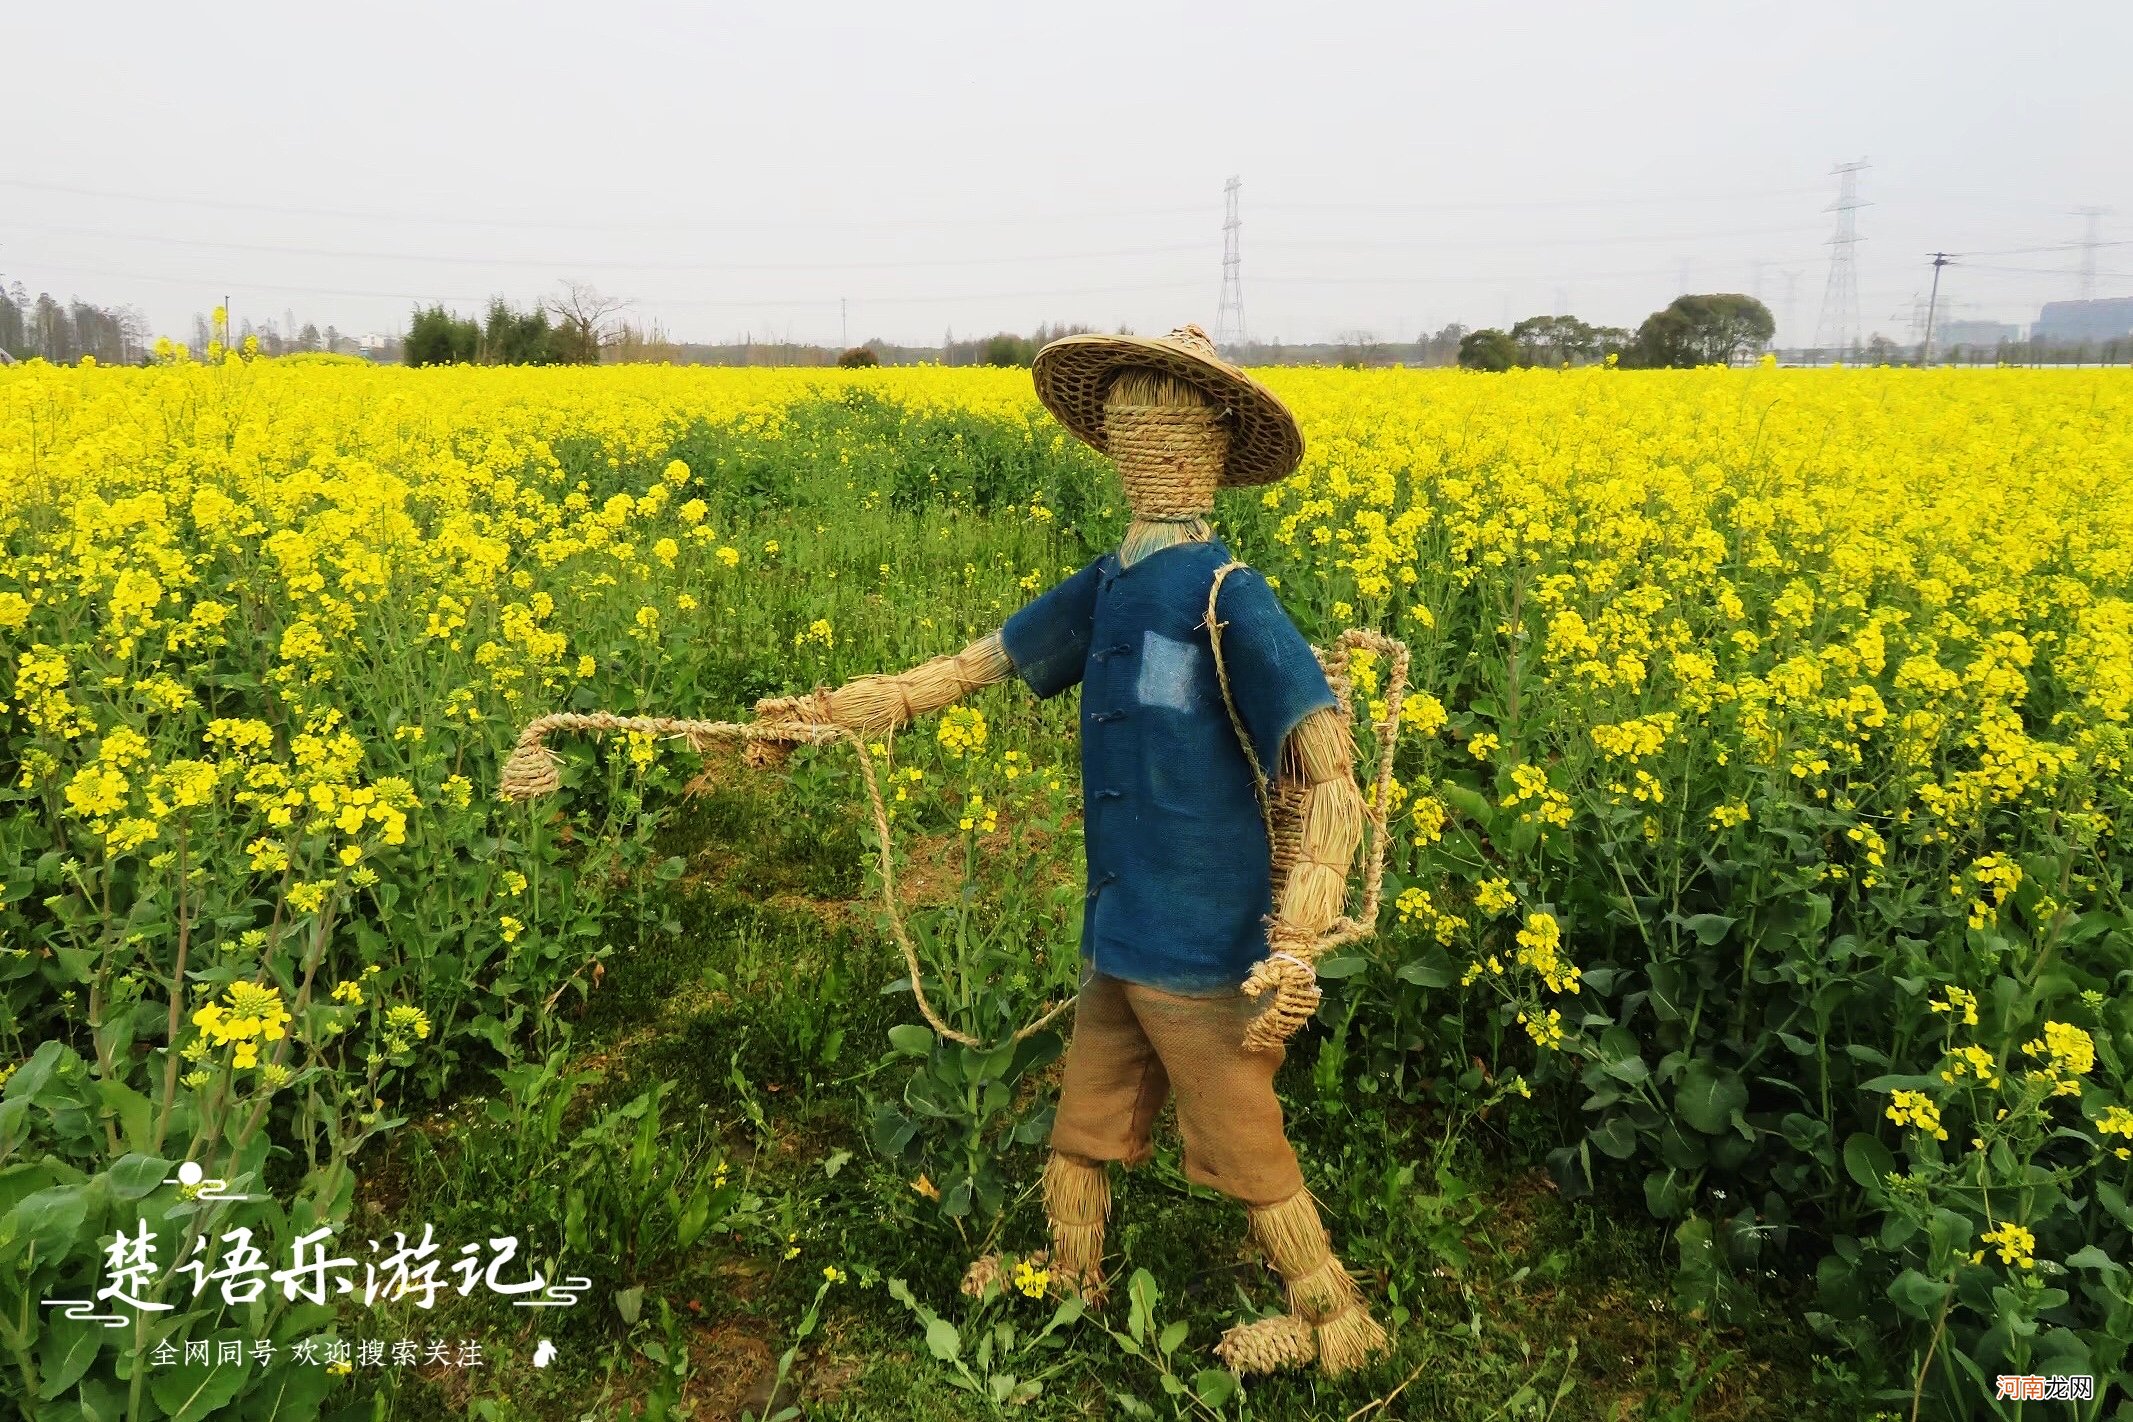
1198, 698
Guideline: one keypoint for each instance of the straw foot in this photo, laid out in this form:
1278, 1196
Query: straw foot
1266, 1345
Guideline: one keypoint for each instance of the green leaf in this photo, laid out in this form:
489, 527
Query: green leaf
68, 1349
2093, 1257
1708, 1096
1141, 1290
1709, 928
1868, 1162
911, 1039
1918, 1295
1616, 1137
48, 1220
1432, 970
1666, 992
942, 1340
1343, 965
287, 1394
1214, 1386
1173, 1334
192, 1391
1665, 1194
2114, 1201
136, 1116
630, 1302
133, 1176
1470, 803
30, 1077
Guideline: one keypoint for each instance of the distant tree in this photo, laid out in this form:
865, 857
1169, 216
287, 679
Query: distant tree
1703, 330
513, 337
1555, 340
581, 314
1883, 351
11, 332
54, 337
308, 339
1664, 339
1007, 349
1356, 348
1487, 349
1443, 347
858, 358
436, 337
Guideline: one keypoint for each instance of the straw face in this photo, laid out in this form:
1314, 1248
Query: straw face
1074, 373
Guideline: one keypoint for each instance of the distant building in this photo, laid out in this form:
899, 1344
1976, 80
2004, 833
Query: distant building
1977, 335
2068, 321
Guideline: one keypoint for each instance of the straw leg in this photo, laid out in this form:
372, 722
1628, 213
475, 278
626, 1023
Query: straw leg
1323, 1300
1077, 1201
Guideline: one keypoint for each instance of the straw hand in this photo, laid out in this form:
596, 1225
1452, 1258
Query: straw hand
1289, 976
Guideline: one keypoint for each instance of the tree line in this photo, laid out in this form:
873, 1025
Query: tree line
1712, 329
65, 332
580, 331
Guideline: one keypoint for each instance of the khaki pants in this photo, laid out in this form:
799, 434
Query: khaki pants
1135, 1045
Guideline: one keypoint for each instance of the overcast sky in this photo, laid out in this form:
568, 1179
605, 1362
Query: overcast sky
984, 166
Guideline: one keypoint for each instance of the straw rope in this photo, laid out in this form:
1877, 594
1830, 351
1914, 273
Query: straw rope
1296, 992
533, 771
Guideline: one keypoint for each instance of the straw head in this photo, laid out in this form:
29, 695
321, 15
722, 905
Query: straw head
1074, 373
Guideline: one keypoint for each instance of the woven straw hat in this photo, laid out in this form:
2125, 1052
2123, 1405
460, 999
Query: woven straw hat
1074, 373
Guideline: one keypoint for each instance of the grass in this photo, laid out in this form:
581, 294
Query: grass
752, 1002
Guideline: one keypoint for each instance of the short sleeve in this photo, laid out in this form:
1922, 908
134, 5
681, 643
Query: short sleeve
1274, 675
1048, 640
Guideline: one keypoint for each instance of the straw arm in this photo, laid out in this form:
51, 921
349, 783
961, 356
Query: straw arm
1321, 754
876, 705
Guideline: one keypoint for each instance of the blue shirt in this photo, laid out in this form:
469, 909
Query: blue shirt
1179, 877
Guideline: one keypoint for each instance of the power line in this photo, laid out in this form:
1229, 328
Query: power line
809, 301
545, 224
1634, 239
1656, 200
445, 259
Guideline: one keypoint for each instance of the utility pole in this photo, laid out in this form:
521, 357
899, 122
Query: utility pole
1838, 328
1925, 347
1792, 307
1229, 310
844, 324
